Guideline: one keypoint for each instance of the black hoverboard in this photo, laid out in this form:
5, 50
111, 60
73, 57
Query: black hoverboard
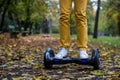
49, 59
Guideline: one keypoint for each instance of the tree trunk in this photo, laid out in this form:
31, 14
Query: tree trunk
119, 26
95, 34
2, 3
3, 15
27, 21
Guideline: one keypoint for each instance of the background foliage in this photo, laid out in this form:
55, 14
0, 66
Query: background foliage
22, 14
33, 16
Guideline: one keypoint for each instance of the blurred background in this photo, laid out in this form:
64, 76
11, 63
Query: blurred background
30, 17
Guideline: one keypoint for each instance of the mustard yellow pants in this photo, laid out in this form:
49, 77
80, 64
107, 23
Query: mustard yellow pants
81, 22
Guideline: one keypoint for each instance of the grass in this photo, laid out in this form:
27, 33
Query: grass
111, 42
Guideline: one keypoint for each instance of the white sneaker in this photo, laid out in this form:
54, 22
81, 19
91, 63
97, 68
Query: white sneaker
83, 54
61, 54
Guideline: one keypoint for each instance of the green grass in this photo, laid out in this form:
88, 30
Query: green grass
111, 42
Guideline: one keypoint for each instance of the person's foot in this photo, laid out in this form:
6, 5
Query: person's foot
83, 54
61, 54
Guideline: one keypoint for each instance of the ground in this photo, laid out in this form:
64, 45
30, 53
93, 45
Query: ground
22, 59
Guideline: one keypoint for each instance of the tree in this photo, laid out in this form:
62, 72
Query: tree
4, 12
113, 17
96, 21
23, 13
91, 16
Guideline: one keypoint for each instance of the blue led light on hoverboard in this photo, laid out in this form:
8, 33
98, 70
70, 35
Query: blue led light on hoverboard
56, 60
83, 60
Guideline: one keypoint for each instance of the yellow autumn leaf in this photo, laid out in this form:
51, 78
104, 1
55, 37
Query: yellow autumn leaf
29, 60
74, 53
36, 78
60, 72
9, 53
112, 51
37, 50
99, 72
12, 63
19, 78
10, 46
1, 70
104, 54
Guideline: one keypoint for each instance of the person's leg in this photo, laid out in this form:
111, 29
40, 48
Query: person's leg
81, 26
65, 11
